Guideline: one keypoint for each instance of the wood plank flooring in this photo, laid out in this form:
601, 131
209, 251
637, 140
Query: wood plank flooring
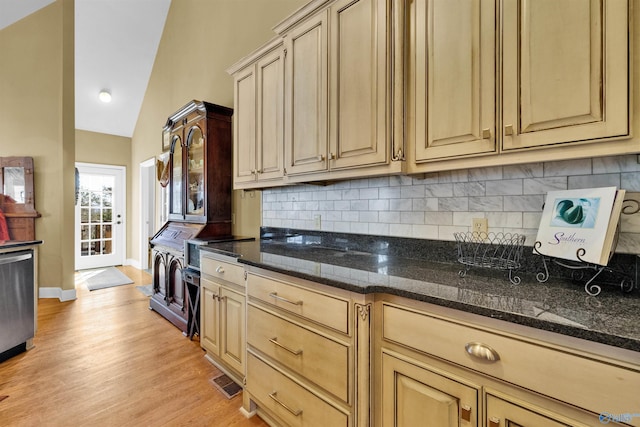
105, 359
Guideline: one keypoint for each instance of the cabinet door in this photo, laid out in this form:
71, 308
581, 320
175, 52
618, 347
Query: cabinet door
232, 315
176, 185
502, 413
565, 71
306, 97
359, 83
451, 78
415, 396
270, 137
195, 209
209, 316
244, 126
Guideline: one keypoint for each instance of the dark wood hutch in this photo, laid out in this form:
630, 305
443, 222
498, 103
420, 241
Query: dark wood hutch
198, 137
17, 199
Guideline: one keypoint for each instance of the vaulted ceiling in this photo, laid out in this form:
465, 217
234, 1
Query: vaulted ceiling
115, 46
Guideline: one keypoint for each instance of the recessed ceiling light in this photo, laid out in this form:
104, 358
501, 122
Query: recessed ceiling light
104, 95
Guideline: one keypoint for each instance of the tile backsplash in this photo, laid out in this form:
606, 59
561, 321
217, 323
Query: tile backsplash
439, 204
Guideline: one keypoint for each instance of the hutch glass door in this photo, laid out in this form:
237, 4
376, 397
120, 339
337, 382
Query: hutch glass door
195, 166
176, 202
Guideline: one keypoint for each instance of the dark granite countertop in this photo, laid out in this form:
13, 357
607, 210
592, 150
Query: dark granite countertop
13, 244
557, 305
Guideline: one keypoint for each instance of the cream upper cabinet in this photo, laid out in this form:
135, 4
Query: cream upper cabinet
359, 84
504, 76
259, 119
451, 78
306, 96
565, 71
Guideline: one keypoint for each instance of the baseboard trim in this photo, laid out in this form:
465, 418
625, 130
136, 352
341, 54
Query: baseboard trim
133, 263
62, 294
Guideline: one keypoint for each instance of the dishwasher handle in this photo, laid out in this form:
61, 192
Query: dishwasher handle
8, 259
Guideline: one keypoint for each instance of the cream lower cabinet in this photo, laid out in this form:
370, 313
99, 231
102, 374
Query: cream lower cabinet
223, 313
435, 370
414, 395
308, 352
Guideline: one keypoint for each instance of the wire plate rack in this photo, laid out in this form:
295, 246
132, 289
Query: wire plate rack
499, 251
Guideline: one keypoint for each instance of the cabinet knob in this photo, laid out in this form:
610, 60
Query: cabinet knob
254, 171
332, 156
482, 351
486, 133
494, 422
508, 130
465, 412
220, 269
320, 157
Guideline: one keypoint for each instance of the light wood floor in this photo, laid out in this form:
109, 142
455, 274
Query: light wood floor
105, 359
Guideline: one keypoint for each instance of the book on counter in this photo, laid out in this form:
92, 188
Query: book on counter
580, 219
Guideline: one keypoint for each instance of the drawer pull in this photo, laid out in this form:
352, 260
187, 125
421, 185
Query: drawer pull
274, 396
494, 422
482, 351
294, 352
278, 297
465, 412
220, 269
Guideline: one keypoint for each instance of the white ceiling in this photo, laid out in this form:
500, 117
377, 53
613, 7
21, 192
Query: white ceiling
116, 43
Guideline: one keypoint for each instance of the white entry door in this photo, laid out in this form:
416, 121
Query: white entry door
100, 216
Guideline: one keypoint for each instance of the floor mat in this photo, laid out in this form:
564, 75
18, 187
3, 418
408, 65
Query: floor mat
226, 386
100, 278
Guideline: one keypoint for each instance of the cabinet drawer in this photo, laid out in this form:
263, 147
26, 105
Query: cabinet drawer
572, 378
324, 309
292, 403
222, 270
317, 358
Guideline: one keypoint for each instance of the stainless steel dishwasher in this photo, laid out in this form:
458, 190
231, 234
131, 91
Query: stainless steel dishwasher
17, 297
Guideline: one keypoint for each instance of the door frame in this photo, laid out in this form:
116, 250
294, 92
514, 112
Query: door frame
121, 208
147, 208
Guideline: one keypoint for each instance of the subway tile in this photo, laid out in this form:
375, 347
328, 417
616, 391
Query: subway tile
359, 205
351, 194
531, 203
445, 232
594, 181
485, 174
531, 219
529, 170
454, 176
438, 190
342, 227
504, 219
411, 192
424, 231
359, 227
511, 187
400, 180
326, 205
389, 217
400, 204
440, 218
368, 216
567, 167
359, 183
469, 189
389, 193
630, 181
342, 205
486, 204
454, 204
544, 185
464, 219
400, 230
351, 216
627, 163
378, 205
369, 193
378, 182
412, 217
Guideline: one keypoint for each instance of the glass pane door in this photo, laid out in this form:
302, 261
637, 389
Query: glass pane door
195, 166
175, 204
99, 217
